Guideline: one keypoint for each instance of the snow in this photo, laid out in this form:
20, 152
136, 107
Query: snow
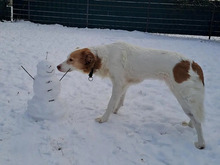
147, 129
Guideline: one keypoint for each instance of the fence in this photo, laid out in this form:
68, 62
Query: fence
4, 10
157, 16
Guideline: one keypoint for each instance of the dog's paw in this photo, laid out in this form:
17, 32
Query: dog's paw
185, 124
100, 120
199, 146
116, 111
189, 124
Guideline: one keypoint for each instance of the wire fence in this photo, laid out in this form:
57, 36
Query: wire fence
157, 16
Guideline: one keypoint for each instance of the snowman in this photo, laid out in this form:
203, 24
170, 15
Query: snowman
46, 103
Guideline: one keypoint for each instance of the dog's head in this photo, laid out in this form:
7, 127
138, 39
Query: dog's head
82, 59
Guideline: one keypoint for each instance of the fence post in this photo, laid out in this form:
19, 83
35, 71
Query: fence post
87, 14
148, 8
211, 23
29, 12
10, 4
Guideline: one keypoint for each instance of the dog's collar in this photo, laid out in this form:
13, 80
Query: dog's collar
91, 74
90, 78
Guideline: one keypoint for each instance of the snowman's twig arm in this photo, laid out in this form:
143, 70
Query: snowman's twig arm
65, 74
27, 72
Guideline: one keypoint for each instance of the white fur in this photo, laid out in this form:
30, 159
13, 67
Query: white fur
126, 64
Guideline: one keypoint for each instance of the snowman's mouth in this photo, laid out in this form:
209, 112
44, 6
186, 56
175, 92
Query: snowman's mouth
50, 71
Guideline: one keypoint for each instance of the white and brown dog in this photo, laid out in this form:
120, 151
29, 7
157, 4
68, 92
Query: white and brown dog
126, 64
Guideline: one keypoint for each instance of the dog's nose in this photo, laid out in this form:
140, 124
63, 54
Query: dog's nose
59, 67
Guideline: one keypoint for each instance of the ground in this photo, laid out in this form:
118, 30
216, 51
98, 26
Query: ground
147, 129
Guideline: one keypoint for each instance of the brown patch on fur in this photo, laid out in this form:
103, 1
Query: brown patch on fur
196, 68
84, 60
181, 71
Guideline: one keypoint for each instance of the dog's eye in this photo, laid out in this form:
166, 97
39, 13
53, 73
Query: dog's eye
70, 60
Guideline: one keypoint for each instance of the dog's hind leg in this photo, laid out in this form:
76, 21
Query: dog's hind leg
194, 123
192, 108
201, 143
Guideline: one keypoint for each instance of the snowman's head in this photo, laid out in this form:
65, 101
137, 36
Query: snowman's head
45, 68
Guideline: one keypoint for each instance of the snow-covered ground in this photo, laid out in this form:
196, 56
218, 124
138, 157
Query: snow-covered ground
147, 129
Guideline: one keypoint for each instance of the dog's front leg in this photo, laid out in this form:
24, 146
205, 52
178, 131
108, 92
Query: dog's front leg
117, 92
121, 102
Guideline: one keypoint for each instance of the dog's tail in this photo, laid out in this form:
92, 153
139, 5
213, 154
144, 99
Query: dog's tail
199, 112
196, 106
191, 98
196, 103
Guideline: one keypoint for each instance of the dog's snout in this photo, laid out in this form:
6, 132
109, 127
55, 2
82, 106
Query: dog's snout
59, 67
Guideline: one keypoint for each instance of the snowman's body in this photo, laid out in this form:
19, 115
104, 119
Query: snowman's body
46, 103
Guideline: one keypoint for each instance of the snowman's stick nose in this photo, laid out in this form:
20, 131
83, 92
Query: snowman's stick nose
27, 72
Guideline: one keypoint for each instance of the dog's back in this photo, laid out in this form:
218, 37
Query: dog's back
138, 63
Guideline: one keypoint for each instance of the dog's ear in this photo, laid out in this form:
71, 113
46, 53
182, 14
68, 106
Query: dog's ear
88, 60
88, 57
